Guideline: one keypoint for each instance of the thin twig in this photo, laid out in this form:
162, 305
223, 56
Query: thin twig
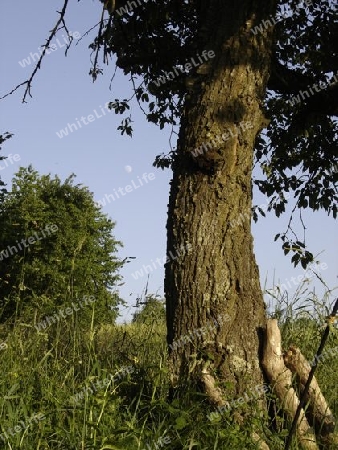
88, 31
53, 32
95, 70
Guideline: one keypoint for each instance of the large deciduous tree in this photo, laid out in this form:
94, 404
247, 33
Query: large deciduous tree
265, 93
264, 54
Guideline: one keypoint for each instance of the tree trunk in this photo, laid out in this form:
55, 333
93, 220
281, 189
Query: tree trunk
215, 309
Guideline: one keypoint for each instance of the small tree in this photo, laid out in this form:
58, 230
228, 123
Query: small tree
56, 248
153, 310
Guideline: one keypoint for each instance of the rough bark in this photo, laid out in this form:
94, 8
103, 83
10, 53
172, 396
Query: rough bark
215, 308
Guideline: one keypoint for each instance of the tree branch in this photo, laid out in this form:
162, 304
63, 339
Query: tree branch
323, 102
28, 83
287, 81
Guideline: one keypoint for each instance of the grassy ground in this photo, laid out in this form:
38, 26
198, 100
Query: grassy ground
74, 389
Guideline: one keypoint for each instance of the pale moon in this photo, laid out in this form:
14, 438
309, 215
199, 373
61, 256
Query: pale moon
128, 169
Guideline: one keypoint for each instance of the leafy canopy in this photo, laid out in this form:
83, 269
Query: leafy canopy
297, 152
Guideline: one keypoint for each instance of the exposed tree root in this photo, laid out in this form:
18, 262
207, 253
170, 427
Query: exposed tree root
279, 368
318, 411
216, 397
281, 381
214, 393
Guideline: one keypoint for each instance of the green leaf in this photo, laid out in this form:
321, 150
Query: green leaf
180, 423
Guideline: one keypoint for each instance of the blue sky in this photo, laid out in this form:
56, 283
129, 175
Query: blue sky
104, 160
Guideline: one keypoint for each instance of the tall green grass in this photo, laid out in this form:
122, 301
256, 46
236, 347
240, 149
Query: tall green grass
41, 372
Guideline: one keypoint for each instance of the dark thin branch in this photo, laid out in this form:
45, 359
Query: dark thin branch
289, 228
88, 31
135, 94
303, 225
112, 78
28, 83
70, 37
95, 70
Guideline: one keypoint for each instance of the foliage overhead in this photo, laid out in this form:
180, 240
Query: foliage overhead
297, 151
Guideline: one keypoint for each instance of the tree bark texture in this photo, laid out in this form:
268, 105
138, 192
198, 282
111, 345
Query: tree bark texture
215, 309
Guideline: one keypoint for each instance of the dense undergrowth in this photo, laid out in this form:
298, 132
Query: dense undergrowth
71, 388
